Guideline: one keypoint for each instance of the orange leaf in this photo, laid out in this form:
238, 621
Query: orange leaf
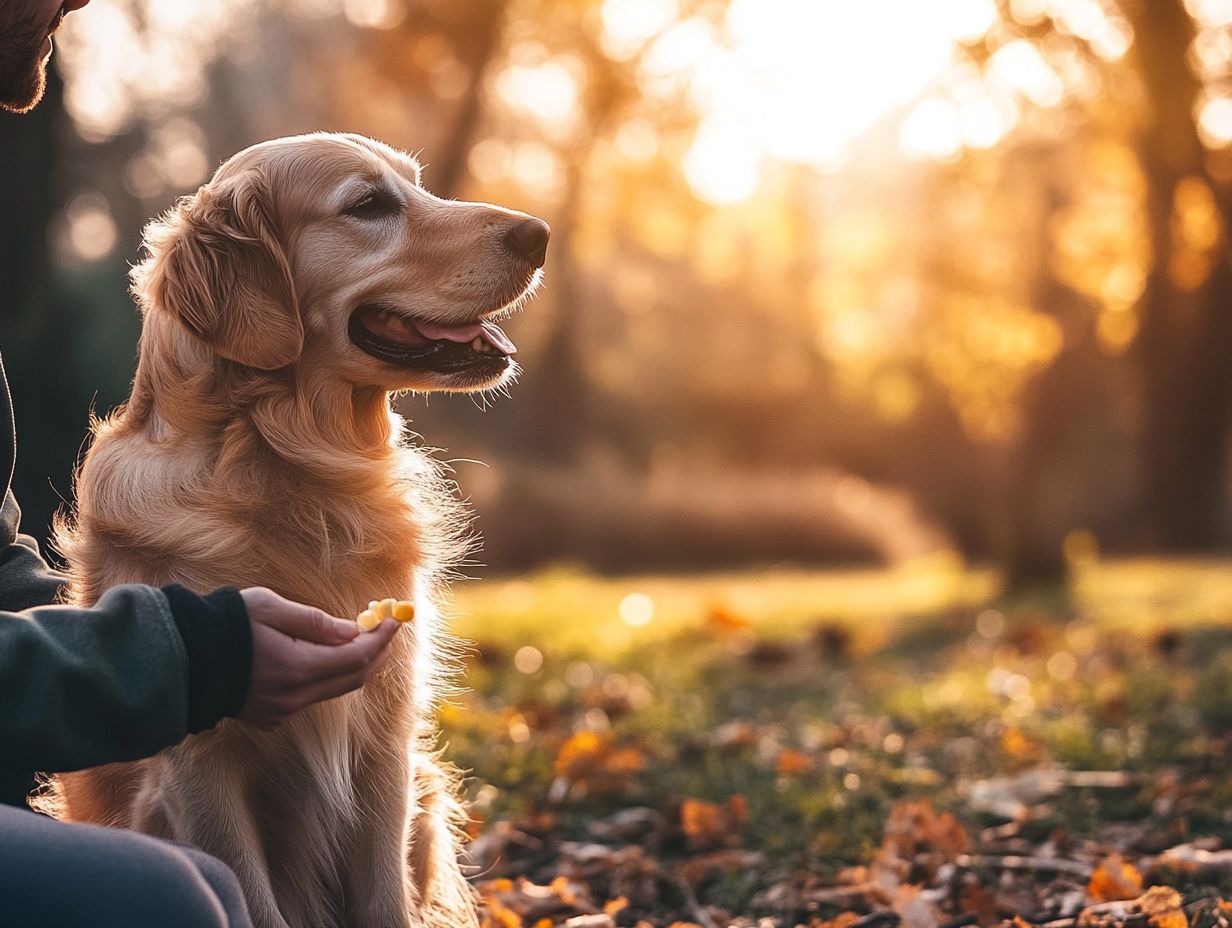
915, 828
612, 906
590, 757
792, 763
842, 920
560, 886
702, 821
1114, 879
580, 752
500, 916
1163, 906
724, 619
706, 824
737, 808
1016, 744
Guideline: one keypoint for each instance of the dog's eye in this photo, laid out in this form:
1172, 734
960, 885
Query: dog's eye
373, 205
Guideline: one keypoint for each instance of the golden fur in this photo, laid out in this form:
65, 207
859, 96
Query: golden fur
259, 447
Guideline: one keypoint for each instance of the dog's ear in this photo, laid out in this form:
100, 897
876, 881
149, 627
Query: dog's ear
216, 262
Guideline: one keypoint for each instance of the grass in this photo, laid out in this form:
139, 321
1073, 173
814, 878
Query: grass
823, 701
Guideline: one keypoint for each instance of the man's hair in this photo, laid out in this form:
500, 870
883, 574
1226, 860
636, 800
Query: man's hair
23, 74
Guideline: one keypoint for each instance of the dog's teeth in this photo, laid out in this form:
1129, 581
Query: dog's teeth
477, 343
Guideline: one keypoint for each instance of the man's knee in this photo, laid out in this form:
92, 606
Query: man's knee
53, 874
168, 888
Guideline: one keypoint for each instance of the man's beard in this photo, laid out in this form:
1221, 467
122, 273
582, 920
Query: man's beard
23, 72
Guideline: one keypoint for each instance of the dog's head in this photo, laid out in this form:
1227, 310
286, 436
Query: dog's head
327, 250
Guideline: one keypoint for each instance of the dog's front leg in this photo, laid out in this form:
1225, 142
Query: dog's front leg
379, 893
203, 804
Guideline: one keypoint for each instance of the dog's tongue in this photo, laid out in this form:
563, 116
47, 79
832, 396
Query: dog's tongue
488, 331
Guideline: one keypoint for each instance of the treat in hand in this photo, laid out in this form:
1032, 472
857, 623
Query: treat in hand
401, 609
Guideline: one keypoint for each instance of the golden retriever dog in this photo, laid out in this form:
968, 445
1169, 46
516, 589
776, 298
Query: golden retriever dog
281, 305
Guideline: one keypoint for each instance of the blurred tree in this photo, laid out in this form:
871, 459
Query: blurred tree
1185, 339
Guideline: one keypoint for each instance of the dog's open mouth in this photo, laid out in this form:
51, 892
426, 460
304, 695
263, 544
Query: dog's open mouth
394, 338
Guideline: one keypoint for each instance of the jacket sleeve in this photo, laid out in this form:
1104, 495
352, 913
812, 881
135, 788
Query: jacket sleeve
80, 687
134, 674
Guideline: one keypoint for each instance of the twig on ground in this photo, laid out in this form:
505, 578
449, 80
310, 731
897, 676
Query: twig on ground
883, 919
700, 915
1019, 862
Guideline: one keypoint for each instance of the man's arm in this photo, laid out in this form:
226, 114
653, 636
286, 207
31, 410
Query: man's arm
145, 667
134, 674
84, 687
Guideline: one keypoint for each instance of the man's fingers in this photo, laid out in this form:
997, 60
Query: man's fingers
366, 658
299, 621
327, 629
333, 660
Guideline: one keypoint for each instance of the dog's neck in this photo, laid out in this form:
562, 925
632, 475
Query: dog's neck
297, 417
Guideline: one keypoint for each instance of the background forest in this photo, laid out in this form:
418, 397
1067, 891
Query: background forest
829, 282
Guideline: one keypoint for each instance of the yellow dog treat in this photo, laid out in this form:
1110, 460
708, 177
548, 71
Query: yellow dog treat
378, 610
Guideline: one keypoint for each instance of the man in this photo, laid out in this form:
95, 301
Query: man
137, 673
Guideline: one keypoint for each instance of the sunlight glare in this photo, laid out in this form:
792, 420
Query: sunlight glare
1018, 67
629, 24
1029, 12
1213, 49
1211, 13
528, 659
548, 91
537, 168
966, 20
91, 231
636, 610
374, 14
490, 161
983, 124
120, 61
722, 166
931, 130
637, 141
1108, 33
799, 82
1215, 121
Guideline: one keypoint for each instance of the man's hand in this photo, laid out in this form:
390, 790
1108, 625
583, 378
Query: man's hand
302, 655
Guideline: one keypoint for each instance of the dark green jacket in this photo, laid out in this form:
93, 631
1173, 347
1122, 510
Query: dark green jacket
136, 673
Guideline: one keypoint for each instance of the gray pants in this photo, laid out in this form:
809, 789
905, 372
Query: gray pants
57, 875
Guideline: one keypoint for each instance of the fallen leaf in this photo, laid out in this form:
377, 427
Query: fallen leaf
915, 909
594, 760
497, 915
1114, 879
706, 824
612, 906
915, 828
1162, 905
792, 763
727, 620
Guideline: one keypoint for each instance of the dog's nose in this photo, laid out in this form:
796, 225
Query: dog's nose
529, 239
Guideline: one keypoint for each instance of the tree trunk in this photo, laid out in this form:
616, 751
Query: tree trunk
1040, 494
1185, 341
449, 166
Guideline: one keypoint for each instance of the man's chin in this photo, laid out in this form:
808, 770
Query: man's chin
22, 88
